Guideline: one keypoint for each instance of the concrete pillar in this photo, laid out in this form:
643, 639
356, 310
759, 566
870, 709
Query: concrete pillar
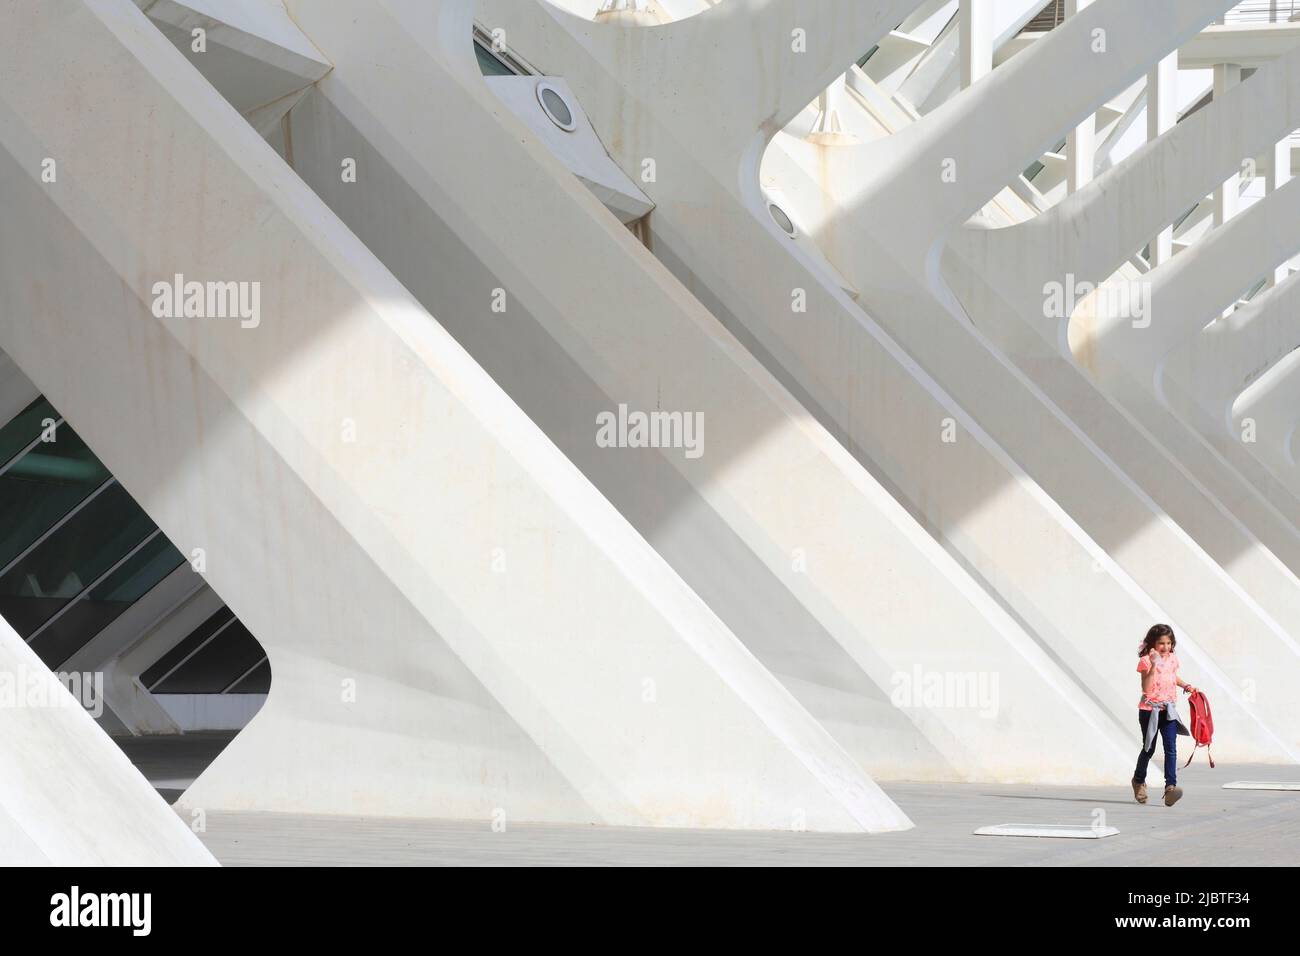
1081, 145
976, 40
886, 226
1279, 174
1162, 115
828, 129
1226, 196
468, 727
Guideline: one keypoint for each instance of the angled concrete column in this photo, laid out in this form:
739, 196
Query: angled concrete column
889, 409
1202, 380
1107, 478
1147, 366
1189, 291
841, 588
1086, 237
1093, 232
68, 795
458, 623
1175, 358
1269, 413
1241, 579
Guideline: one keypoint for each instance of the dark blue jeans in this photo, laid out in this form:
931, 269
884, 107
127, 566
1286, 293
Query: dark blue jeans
1167, 731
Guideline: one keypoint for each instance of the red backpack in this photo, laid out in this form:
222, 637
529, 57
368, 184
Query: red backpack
1202, 726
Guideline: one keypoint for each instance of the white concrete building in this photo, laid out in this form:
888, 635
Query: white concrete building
666, 413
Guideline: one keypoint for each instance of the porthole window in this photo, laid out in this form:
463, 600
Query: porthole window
555, 108
781, 219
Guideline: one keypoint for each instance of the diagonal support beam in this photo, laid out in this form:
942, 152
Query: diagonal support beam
1189, 291
1056, 84
1091, 233
1206, 377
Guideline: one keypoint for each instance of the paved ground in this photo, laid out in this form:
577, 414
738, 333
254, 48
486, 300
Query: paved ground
1210, 826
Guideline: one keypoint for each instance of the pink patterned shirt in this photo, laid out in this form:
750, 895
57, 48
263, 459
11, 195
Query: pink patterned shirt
1164, 686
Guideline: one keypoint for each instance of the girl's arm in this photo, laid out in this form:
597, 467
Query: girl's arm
1188, 688
1149, 672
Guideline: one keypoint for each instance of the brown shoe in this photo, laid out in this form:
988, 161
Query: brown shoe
1173, 795
1139, 792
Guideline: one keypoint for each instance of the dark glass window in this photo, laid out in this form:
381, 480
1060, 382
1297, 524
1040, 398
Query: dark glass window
258, 681
488, 64
71, 559
84, 618
216, 665
169, 661
42, 486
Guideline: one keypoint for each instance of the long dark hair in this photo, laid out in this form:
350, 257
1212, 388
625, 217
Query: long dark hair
1157, 631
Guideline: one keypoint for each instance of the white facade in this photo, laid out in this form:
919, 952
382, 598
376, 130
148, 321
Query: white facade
947, 397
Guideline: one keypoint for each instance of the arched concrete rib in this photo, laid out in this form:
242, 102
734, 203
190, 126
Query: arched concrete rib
1091, 233
1050, 87
1203, 380
1090, 456
1002, 278
1272, 405
410, 678
711, 227
742, 50
1189, 290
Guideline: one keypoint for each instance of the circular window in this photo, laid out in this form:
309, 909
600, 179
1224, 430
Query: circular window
781, 219
555, 108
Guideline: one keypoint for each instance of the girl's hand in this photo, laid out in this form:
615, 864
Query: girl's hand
1153, 655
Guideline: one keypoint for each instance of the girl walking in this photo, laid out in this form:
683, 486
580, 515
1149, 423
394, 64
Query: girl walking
1157, 710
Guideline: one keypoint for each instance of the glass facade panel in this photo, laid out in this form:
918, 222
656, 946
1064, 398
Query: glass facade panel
488, 64
216, 666
42, 486
182, 650
257, 682
71, 559
111, 597
65, 524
